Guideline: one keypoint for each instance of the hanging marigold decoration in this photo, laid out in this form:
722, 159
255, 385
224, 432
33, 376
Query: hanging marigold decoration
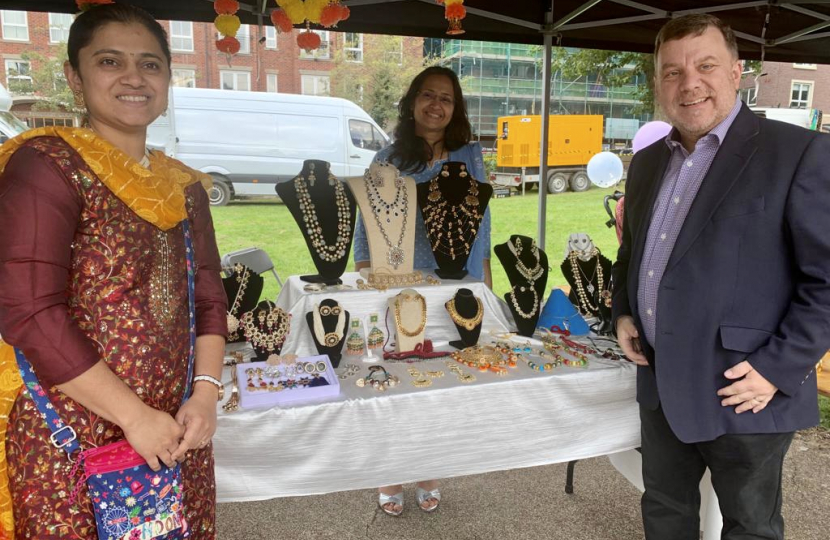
226, 7
454, 11
227, 24
281, 21
308, 40
326, 13
84, 5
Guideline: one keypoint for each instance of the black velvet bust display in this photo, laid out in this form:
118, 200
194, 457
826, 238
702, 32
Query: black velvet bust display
525, 299
246, 301
329, 325
599, 303
323, 197
453, 183
466, 305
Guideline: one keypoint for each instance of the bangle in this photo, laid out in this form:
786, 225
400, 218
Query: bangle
214, 381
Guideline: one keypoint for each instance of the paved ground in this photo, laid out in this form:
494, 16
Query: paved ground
526, 504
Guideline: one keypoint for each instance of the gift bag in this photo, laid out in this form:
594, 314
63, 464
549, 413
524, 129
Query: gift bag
560, 314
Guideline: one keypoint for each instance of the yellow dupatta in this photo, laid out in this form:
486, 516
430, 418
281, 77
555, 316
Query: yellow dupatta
156, 195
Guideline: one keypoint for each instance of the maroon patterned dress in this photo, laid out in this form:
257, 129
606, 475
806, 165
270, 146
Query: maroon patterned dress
88, 279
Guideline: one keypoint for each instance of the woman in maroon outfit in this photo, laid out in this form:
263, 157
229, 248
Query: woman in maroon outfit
93, 283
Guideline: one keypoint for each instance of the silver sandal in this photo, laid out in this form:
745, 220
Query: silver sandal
384, 499
422, 496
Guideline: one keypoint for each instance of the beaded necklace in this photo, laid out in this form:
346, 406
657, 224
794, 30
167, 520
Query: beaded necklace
522, 288
452, 228
584, 303
328, 253
530, 274
329, 339
399, 206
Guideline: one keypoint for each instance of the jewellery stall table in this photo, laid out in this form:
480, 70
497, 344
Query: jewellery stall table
363, 438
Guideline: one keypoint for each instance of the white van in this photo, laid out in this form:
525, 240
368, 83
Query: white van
806, 118
250, 141
10, 126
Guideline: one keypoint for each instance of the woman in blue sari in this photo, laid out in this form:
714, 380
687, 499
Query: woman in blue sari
432, 129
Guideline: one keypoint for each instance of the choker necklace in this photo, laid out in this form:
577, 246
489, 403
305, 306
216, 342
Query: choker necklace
399, 323
522, 314
530, 274
329, 339
242, 275
270, 330
328, 253
464, 322
452, 228
399, 206
584, 303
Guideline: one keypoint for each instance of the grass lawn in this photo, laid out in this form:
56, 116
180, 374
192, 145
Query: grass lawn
270, 226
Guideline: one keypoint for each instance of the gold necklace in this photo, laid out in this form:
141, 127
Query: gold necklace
399, 322
458, 319
242, 275
271, 330
584, 303
452, 228
328, 253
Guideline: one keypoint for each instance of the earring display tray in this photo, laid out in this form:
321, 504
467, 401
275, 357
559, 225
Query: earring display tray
267, 396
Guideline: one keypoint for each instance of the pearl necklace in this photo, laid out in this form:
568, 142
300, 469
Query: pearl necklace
585, 305
329, 339
522, 314
399, 205
530, 274
329, 253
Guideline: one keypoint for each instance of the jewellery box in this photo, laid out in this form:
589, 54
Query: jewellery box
260, 390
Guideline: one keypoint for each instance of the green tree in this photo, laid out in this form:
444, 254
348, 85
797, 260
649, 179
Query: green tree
379, 81
48, 81
612, 68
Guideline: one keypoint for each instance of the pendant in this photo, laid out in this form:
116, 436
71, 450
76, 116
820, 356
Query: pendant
434, 196
471, 201
395, 257
233, 324
590, 288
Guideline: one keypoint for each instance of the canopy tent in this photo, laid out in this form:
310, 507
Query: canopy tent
775, 30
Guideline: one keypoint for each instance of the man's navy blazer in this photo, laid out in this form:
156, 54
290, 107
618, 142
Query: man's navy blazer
748, 279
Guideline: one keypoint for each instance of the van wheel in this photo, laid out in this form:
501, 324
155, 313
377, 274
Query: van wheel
557, 182
220, 193
580, 182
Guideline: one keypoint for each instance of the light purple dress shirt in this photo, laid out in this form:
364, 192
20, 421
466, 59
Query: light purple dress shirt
678, 190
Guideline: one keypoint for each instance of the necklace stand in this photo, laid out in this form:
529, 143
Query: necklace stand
243, 289
331, 325
408, 309
453, 205
334, 208
388, 203
468, 316
593, 278
526, 267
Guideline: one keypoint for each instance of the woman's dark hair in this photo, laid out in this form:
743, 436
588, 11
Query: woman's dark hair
87, 23
411, 152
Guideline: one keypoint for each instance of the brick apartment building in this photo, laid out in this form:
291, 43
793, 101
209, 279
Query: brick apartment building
794, 86
267, 62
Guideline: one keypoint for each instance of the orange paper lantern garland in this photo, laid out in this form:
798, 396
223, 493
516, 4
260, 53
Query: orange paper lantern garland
454, 11
228, 45
227, 24
281, 21
226, 7
326, 13
308, 40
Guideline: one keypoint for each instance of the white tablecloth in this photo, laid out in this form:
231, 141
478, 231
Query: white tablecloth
365, 439
439, 329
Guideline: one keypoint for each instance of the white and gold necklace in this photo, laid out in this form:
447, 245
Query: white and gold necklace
327, 252
329, 339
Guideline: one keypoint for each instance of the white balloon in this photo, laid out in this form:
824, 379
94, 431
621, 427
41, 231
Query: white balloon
605, 169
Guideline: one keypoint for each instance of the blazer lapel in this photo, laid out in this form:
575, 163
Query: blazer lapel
641, 233
737, 149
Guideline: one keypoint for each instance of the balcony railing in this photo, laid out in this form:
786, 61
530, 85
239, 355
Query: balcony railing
489, 48
473, 86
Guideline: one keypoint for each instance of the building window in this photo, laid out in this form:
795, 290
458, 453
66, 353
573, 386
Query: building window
271, 82
323, 52
18, 77
181, 36
235, 80
270, 37
15, 25
184, 78
805, 66
244, 37
315, 85
802, 95
59, 24
749, 96
395, 52
353, 47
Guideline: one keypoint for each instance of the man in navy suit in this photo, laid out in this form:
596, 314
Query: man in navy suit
722, 290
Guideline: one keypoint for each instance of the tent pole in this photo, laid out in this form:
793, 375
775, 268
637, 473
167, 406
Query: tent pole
545, 112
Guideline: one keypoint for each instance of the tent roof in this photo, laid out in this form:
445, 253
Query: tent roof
788, 30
